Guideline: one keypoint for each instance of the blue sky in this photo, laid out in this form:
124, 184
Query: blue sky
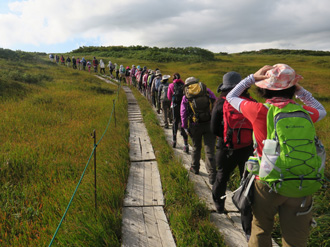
217, 25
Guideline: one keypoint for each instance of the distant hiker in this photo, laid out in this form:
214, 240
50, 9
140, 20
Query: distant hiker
62, 60
95, 64
138, 74
122, 71
175, 94
102, 66
83, 63
51, 57
234, 143
151, 76
89, 65
154, 90
145, 81
117, 71
74, 65
78, 63
287, 156
196, 108
127, 75
68, 62
132, 75
111, 68
164, 101
57, 59
144, 70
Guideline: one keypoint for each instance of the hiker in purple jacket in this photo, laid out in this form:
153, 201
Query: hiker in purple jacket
199, 130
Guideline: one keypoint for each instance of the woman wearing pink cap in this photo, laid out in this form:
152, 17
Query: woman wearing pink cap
277, 84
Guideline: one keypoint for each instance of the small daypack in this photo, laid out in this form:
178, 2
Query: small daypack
177, 93
163, 96
199, 102
157, 83
293, 158
237, 130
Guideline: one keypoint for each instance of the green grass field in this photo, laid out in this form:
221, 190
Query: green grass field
48, 112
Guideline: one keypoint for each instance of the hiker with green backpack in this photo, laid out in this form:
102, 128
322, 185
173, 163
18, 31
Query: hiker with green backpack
290, 159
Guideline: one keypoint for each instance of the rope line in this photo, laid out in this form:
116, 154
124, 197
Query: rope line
83, 174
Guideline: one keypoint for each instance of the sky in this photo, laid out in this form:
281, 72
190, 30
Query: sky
59, 26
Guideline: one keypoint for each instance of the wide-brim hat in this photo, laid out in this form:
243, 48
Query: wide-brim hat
229, 81
166, 77
281, 77
158, 73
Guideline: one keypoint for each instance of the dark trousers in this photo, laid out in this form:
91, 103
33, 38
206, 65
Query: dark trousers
226, 162
177, 124
198, 133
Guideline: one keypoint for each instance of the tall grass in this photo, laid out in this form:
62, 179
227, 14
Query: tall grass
45, 144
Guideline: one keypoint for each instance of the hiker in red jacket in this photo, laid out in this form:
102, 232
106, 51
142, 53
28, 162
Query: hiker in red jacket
277, 84
234, 143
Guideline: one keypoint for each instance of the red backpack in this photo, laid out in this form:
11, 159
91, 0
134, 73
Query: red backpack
237, 129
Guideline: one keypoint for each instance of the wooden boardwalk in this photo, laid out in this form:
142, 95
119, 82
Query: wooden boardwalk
144, 220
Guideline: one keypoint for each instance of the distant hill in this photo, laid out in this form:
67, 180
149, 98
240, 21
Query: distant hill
288, 52
170, 54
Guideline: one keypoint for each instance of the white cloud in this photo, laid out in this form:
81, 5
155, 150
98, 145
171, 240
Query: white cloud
229, 26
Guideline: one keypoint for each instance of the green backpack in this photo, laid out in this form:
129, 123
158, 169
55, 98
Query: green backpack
293, 158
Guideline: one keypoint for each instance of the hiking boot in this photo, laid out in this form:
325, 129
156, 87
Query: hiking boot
173, 144
220, 207
212, 180
186, 149
193, 170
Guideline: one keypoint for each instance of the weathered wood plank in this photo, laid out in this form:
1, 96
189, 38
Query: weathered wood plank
144, 186
141, 149
146, 226
158, 230
133, 227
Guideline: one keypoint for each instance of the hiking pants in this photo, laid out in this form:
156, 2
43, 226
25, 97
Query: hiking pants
295, 229
177, 124
226, 162
154, 96
197, 133
166, 111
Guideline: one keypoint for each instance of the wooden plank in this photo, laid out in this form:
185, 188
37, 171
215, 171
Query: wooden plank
146, 226
158, 230
134, 189
138, 130
144, 187
133, 227
141, 149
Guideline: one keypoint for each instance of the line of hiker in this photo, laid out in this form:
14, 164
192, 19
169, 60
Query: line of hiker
280, 168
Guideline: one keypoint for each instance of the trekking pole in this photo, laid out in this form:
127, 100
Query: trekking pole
95, 191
